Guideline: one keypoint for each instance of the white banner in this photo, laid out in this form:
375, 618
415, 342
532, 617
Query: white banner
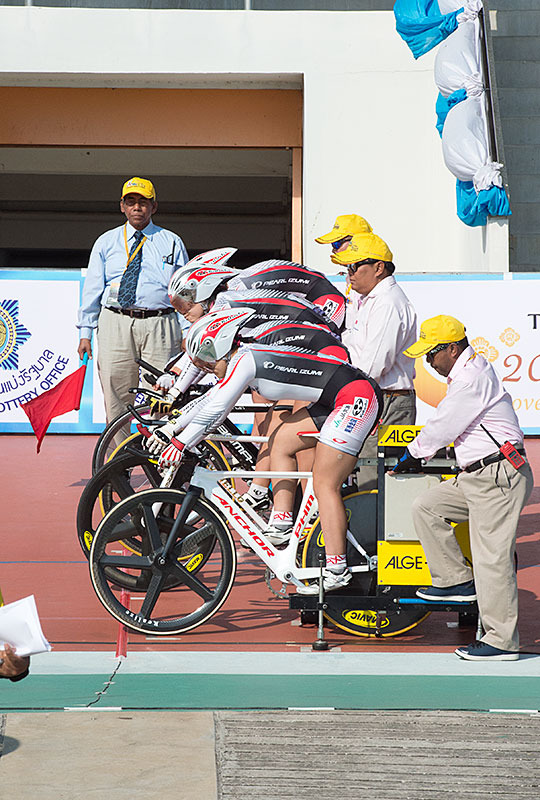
38, 340
502, 323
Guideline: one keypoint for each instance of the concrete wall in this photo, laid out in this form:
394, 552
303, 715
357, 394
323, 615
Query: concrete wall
370, 145
516, 45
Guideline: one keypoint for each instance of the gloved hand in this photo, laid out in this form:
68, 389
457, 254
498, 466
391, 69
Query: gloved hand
408, 463
165, 382
160, 438
173, 393
172, 455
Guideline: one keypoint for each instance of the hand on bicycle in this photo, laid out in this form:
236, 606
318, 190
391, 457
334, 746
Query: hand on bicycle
165, 382
172, 455
160, 438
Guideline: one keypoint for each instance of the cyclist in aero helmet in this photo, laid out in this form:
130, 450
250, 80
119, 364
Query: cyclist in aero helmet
344, 405
203, 284
194, 288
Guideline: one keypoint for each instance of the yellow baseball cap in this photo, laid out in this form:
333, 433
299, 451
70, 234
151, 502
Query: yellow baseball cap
434, 331
139, 186
363, 245
345, 225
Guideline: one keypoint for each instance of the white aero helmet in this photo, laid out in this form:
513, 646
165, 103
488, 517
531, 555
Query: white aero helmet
199, 278
212, 336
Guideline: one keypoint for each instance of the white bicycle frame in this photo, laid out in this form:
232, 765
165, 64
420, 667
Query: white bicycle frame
250, 526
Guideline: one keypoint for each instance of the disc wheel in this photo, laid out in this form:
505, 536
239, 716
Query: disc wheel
120, 478
170, 598
128, 473
361, 508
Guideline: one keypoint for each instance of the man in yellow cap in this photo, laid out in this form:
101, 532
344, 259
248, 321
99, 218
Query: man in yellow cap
490, 491
125, 296
380, 324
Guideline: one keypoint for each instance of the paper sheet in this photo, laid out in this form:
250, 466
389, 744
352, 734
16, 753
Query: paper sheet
21, 628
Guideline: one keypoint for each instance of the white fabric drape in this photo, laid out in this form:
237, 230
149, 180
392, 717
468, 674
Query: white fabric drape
458, 63
465, 145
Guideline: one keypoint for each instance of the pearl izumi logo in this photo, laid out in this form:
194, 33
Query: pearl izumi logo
12, 334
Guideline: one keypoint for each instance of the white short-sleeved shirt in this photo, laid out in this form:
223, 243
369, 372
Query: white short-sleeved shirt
379, 326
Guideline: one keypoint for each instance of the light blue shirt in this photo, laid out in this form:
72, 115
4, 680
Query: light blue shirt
108, 262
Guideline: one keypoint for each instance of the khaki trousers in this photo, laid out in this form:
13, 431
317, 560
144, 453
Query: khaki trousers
122, 339
491, 499
397, 410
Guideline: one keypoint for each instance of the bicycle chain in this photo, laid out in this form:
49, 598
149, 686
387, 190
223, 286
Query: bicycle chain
268, 576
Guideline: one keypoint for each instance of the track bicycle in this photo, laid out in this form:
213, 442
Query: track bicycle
176, 600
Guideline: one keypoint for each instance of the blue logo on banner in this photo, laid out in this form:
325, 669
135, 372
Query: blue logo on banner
12, 334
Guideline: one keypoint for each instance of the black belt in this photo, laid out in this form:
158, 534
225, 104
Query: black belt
141, 313
491, 459
398, 392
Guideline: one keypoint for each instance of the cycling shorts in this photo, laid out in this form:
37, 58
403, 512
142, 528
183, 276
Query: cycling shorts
355, 415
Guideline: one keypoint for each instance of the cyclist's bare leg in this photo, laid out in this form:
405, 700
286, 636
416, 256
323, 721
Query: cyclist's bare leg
305, 458
330, 470
264, 424
285, 444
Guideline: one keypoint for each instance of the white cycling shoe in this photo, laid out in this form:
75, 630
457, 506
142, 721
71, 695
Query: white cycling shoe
276, 536
331, 581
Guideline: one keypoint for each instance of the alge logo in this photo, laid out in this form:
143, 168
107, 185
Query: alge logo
405, 562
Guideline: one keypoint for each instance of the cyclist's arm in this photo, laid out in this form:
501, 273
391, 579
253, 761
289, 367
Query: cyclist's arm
189, 375
219, 401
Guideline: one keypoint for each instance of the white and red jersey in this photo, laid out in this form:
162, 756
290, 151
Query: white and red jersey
302, 335
276, 308
289, 277
272, 306
283, 372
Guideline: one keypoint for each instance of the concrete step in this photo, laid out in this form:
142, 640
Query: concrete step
321, 5
526, 248
516, 267
518, 74
513, 5
525, 102
516, 48
516, 23
521, 130
375, 755
518, 155
525, 188
525, 216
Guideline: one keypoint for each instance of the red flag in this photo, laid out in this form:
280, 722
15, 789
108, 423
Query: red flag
64, 397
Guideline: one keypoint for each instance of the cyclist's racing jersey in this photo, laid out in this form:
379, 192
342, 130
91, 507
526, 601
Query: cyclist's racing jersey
269, 306
345, 402
289, 277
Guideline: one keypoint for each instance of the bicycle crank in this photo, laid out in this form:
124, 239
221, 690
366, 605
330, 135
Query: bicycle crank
268, 577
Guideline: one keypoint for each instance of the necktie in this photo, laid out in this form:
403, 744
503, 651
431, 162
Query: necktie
128, 285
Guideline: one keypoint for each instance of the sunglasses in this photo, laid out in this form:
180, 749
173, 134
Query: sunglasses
351, 269
438, 349
337, 245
